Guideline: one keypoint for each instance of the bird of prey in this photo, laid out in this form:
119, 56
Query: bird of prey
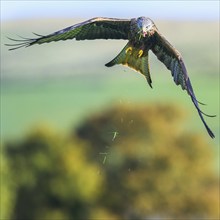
142, 35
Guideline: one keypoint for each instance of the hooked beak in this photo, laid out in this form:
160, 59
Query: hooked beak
144, 33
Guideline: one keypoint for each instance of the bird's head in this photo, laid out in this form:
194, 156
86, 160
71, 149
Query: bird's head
144, 24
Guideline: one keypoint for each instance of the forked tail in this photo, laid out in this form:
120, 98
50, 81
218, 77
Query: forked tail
135, 58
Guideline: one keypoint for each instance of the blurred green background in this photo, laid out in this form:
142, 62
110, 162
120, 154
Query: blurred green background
82, 141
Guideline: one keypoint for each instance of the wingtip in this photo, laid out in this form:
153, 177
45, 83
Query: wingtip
18, 43
211, 134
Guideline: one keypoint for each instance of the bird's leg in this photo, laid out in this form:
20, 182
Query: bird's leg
141, 51
129, 50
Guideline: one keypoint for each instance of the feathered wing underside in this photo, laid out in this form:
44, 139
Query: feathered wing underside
135, 59
172, 59
96, 28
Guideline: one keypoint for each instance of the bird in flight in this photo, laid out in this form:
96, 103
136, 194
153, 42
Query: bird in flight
142, 35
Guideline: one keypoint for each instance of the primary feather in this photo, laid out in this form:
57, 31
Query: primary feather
96, 28
142, 35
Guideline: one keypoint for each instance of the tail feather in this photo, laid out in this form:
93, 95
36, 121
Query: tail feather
135, 58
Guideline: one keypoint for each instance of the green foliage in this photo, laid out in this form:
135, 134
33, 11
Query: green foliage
52, 177
129, 162
152, 168
6, 187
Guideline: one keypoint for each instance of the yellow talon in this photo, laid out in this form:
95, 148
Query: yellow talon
129, 50
140, 53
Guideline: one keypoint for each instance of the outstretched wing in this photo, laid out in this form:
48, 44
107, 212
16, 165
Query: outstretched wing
172, 59
95, 28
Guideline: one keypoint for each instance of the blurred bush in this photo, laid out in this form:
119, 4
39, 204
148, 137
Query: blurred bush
52, 177
153, 168
128, 162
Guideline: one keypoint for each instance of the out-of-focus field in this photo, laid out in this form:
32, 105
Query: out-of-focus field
61, 171
61, 83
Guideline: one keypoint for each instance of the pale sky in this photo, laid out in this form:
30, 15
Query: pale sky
178, 10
